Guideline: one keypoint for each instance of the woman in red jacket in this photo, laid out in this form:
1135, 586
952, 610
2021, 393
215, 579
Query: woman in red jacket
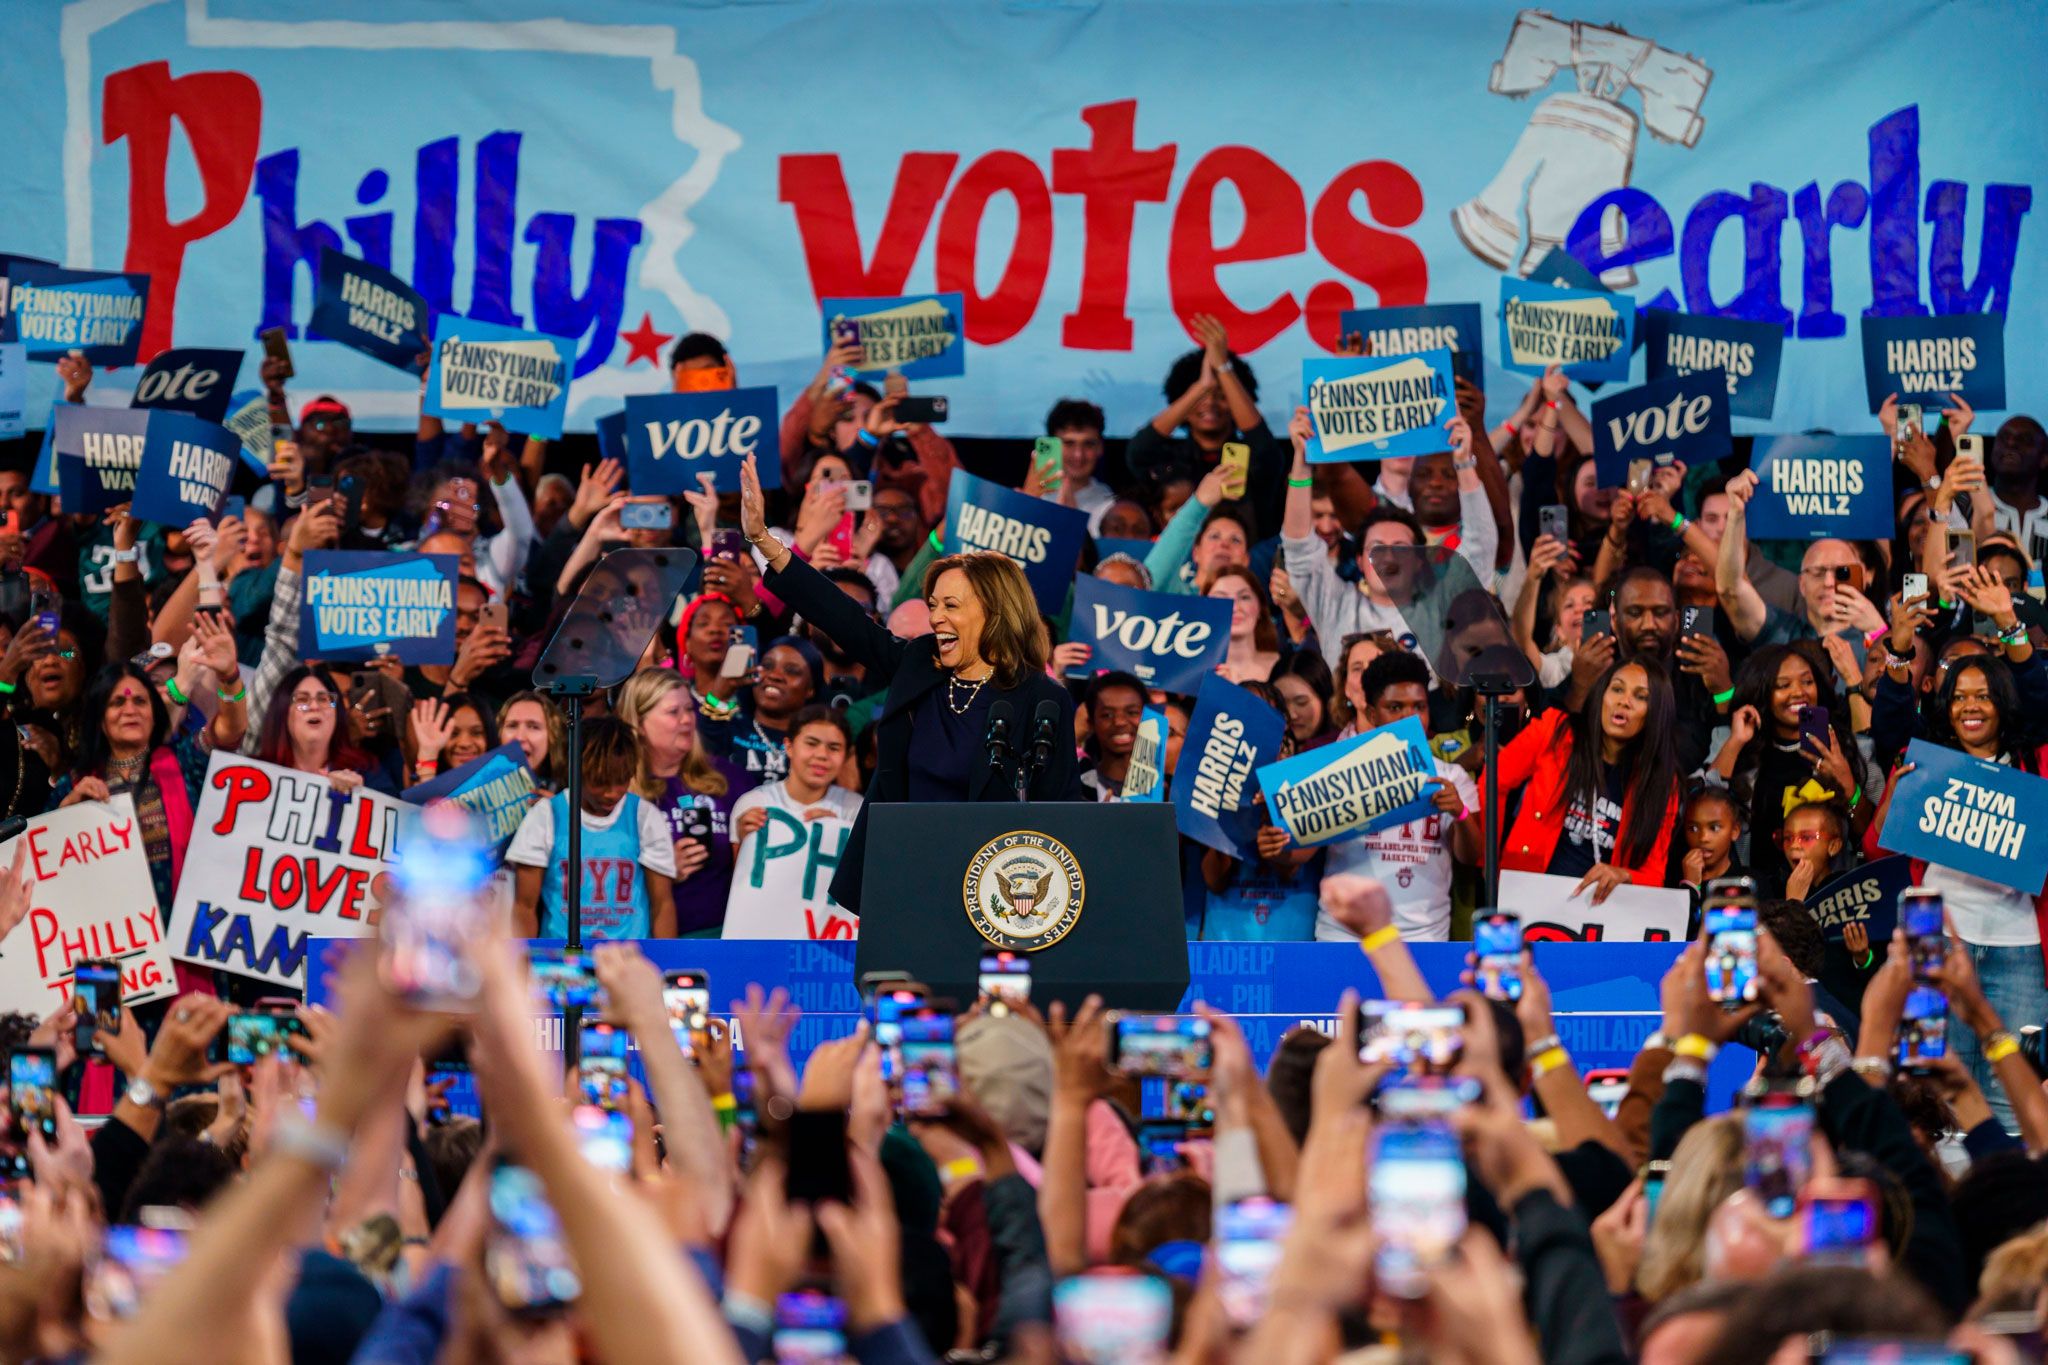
1600, 788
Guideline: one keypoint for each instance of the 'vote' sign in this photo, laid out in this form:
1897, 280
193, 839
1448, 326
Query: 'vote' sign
1168, 641
671, 438
197, 381
1670, 419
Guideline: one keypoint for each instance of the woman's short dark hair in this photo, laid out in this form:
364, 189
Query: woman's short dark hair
818, 713
93, 749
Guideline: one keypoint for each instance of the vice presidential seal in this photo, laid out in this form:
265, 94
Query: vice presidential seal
1023, 890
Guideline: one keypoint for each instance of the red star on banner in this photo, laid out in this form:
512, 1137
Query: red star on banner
644, 343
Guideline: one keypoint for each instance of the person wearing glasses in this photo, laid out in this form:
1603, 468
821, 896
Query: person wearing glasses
131, 743
1834, 585
305, 728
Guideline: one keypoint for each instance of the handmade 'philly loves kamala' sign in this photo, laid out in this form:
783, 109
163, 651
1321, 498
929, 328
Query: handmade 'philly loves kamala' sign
1378, 407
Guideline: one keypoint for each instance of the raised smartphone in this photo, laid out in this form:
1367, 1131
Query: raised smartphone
1418, 1203
1497, 950
1171, 1045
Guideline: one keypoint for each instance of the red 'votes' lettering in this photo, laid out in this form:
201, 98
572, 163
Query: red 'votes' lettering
1113, 176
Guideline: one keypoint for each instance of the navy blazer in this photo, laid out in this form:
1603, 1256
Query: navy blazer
910, 668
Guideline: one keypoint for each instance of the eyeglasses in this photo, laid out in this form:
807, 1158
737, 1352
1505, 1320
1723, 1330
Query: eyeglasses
316, 701
1839, 572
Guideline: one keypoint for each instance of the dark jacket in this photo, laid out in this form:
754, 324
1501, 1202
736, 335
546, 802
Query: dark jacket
910, 669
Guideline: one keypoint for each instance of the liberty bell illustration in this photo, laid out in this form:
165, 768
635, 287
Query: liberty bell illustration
1579, 144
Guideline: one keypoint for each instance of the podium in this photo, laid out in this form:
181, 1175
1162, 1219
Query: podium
1091, 892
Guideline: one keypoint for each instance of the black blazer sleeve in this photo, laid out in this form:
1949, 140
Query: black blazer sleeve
817, 598
1061, 780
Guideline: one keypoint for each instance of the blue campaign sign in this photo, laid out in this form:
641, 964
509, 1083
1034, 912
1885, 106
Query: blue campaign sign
1868, 895
1587, 331
671, 438
1813, 487
249, 419
1043, 537
8, 265
1746, 353
194, 380
58, 311
367, 308
1355, 786
1667, 419
611, 437
1453, 327
1145, 779
482, 372
1170, 641
13, 390
1379, 407
1561, 268
374, 604
187, 465
1924, 360
920, 336
497, 787
98, 453
1987, 819
1232, 734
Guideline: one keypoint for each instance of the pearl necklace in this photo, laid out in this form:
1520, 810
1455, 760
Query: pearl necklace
960, 708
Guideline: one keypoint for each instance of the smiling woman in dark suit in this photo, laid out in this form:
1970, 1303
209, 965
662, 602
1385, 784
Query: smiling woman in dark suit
986, 645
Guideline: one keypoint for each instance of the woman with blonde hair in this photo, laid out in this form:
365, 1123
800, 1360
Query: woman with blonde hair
532, 721
1705, 1169
694, 790
986, 650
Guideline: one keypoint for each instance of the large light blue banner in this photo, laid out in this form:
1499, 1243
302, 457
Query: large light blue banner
622, 171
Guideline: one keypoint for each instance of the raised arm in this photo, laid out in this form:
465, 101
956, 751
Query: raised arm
1216, 357
1739, 597
812, 594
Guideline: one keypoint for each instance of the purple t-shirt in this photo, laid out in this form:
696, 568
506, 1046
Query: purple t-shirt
700, 897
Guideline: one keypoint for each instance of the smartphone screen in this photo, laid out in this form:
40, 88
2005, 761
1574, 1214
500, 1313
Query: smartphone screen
96, 995
1497, 945
251, 1035
1159, 1142
1839, 1228
429, 932
605, 1137
601, 1064
1962, 546
810, 1329
1923, 1029
1638, 475
931, 1077
526, 1258
1418, 1203
1249, 1234
1159, 1044
131, 1262
1731, 954
686, 995
1235, 463
32, 1091
1892, 1352
1777, 1154
1908, 425
1188, 1102
1426, 1039
1111, 1317
1921, 915
563, 979
1006, 978
1654, 1173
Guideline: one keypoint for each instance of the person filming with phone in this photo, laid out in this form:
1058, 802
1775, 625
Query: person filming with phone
986, 647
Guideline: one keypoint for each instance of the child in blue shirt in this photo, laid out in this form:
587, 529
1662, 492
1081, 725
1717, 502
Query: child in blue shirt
629, 862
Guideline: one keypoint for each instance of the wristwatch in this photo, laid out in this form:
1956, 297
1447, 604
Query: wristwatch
143, 1095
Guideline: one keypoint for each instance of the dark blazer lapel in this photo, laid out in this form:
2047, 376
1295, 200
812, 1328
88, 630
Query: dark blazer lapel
919, 674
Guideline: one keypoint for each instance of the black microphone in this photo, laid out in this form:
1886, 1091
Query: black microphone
1000, 713
1043, 719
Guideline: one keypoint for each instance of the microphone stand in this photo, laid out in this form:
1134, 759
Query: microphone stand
1491, 687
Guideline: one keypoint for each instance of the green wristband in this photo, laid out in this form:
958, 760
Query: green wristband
1723, 698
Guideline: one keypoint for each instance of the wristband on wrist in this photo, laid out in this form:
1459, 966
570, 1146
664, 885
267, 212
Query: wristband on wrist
1723, 698
317, 1144
174, 692
2000, 1046
1542, 1045
1697, 1046
427, 765
1655, 1041
868, 439
960, 1168
1684, 1068
1678, 521
6, 689
1872, 1066
1547, 1061
1379, 938
1300, 483
241, 692
938, 543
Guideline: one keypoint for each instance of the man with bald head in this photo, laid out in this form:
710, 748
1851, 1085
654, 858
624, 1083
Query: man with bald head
1833, 584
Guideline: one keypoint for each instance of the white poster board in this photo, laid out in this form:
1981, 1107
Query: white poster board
89, 897
782, 878
1631, 914
277, 857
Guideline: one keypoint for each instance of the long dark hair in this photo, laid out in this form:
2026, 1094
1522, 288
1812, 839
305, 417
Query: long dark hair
274, 740
2013, 730
1650, 761
1754, 682
93, 749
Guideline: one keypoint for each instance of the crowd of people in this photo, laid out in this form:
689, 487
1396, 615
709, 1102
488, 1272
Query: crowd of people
1704, 707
